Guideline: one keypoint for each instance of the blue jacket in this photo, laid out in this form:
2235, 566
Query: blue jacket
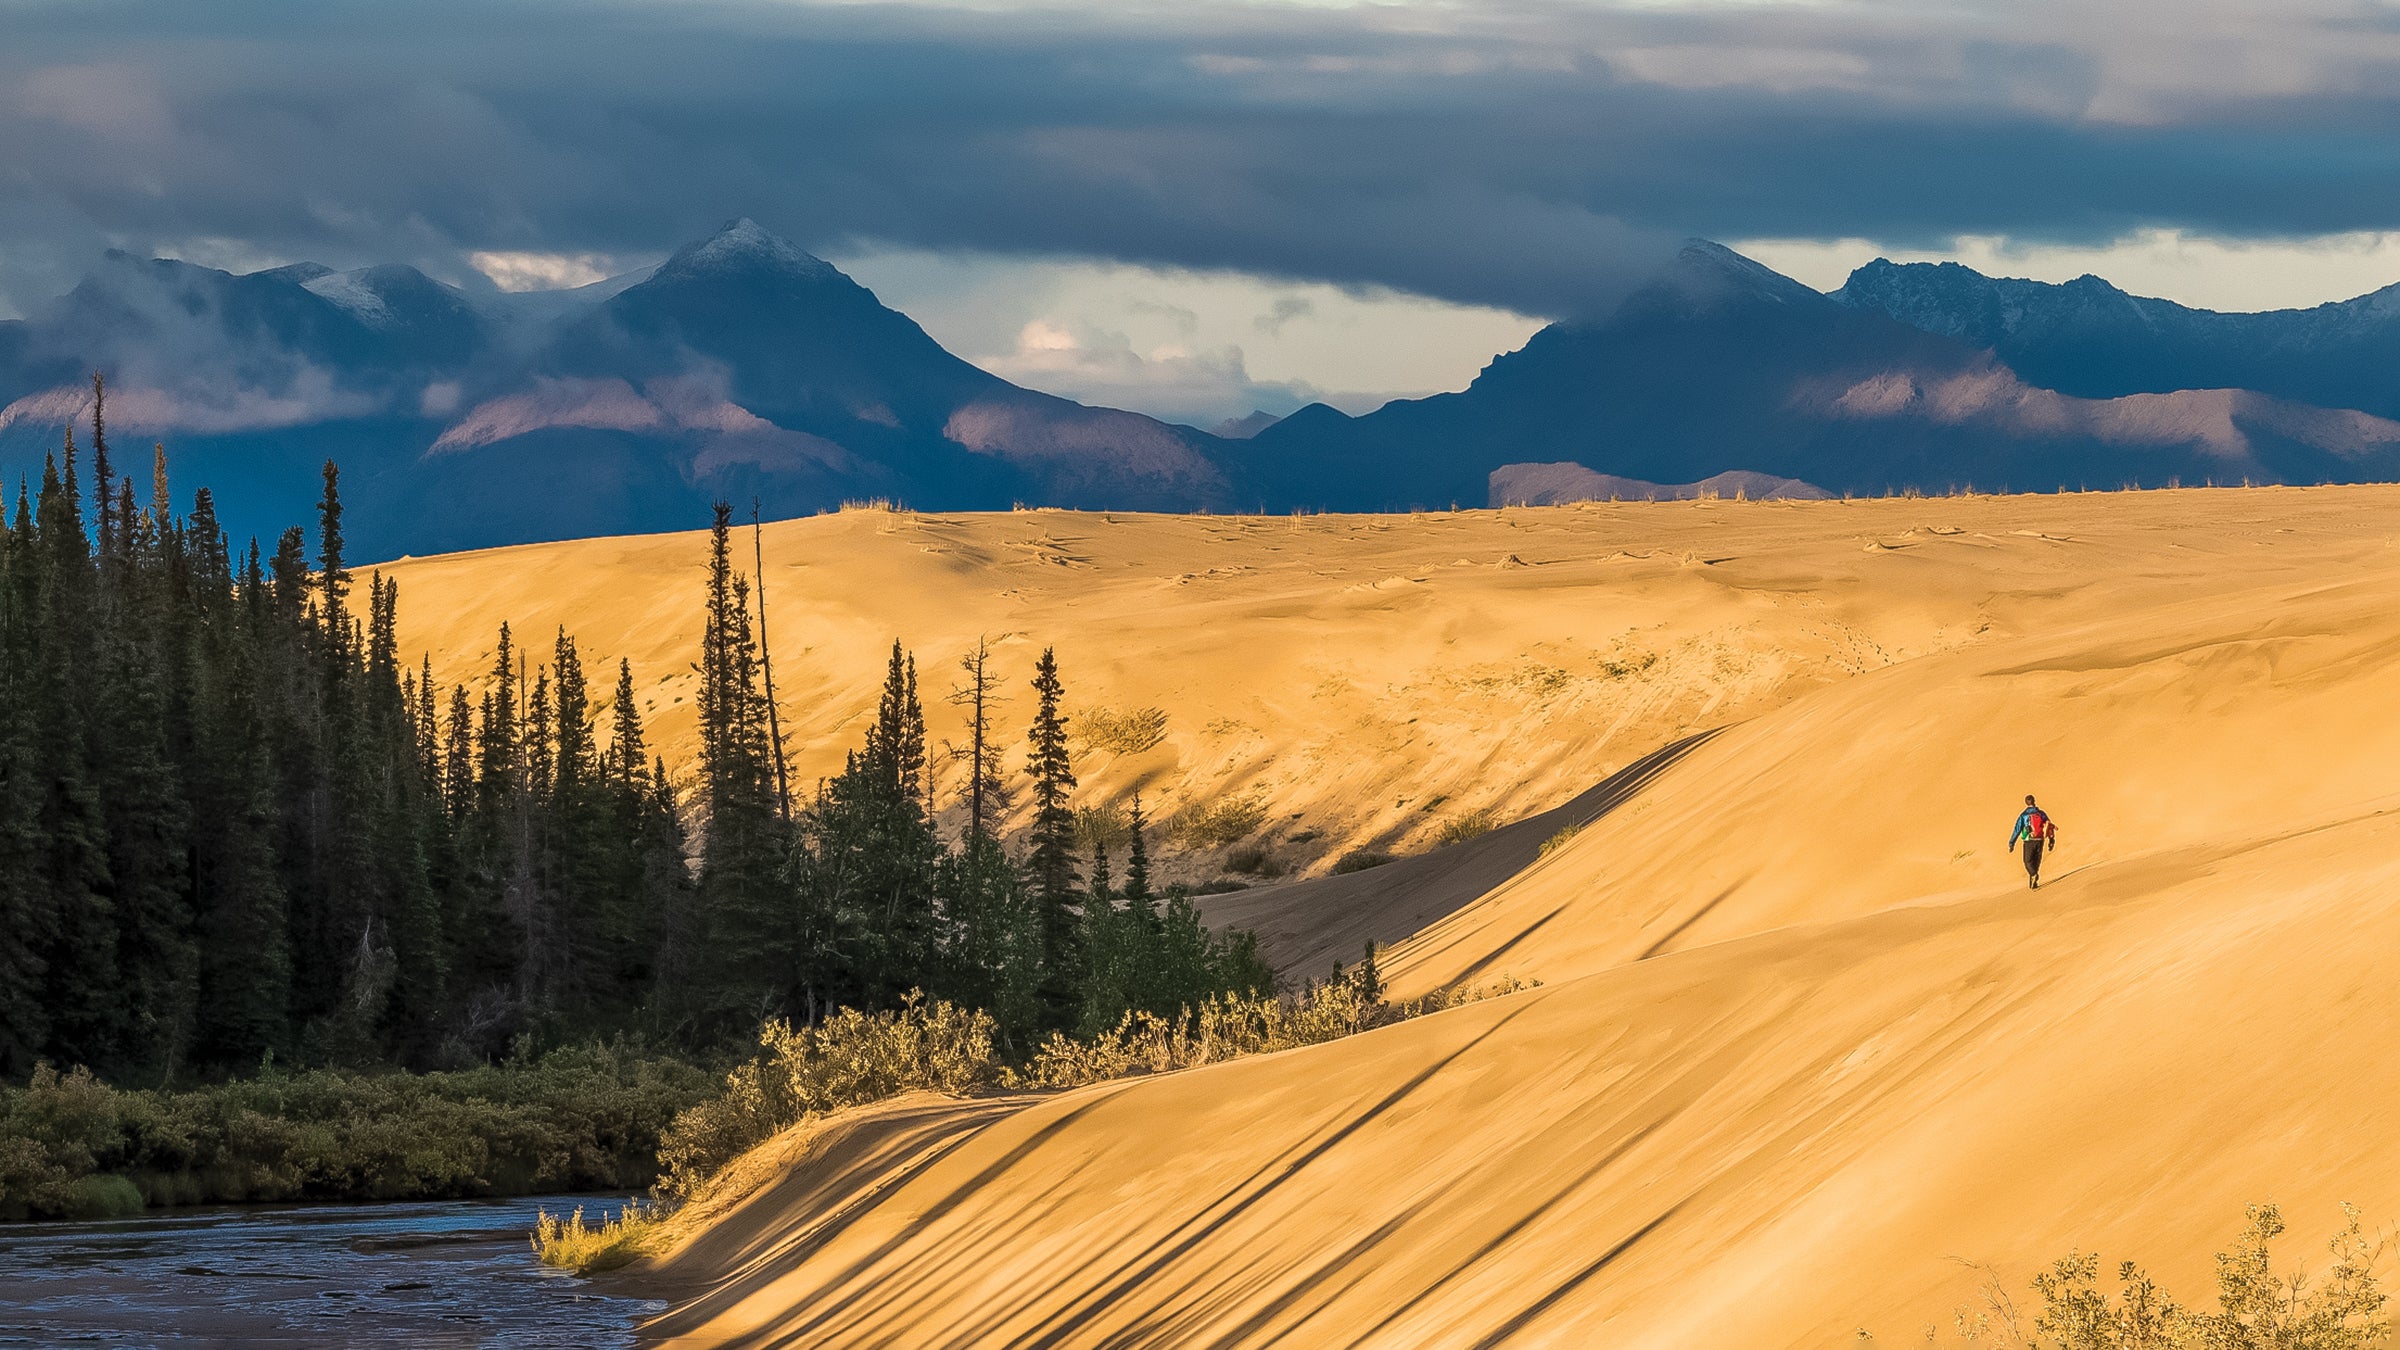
2025, 824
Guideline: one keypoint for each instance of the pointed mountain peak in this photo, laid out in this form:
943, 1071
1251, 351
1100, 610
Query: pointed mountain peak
1706, 277
1718, 267
744, 246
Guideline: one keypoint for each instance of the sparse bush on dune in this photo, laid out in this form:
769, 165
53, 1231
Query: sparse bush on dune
1359, 860
1230, 1026
2259, 1306
1560, 840
849, 1059
1219, 823
1126, 733
1106, 826
1254, 860
856, 1059
1459, 829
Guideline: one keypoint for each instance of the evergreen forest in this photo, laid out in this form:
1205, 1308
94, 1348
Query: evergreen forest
239, 827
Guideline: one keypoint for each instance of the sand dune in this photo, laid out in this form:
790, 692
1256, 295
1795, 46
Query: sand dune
1805, 1041
1305, 927
1367, 681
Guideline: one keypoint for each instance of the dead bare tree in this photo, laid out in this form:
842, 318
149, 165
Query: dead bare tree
766, 663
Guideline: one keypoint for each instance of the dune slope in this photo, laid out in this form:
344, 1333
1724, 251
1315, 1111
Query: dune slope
1365, 682
1304, 927
1806, 1041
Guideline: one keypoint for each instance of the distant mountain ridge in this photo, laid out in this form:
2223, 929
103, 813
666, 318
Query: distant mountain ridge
745, 367
2089, 338
1719, 363
741, 367
1558, 484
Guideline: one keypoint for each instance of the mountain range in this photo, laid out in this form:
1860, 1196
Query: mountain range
745, 368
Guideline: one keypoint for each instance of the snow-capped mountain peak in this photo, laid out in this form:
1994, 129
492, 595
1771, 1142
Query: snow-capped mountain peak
744, 245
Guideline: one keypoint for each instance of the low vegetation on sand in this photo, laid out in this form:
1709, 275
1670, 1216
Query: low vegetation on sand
1460, 829
856, 1059
1217, 824
71, 1146
572, 1243
1360, 860
1125, 733
2259, 1306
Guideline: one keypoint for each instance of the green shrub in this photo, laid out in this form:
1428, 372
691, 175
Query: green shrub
573, 1245
850, 1059
1559, 840
2258, 1306
1229, 1026
70, 1145
855, 1059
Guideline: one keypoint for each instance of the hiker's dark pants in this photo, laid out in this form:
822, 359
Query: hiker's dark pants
2033, 856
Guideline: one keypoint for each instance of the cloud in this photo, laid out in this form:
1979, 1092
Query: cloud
522, 270
590, 405
724, 433
1285, 309
1176, 383
1535, 155
1353, 347
309, 396
2220, 421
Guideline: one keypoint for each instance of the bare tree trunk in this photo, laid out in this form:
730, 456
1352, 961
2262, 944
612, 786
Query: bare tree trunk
766, 662
978, 689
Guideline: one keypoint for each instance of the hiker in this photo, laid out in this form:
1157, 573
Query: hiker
2035, 828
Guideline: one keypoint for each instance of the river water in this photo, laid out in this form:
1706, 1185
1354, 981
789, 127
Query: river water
453, 1273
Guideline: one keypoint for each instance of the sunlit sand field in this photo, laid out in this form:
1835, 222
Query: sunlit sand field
1805, 1048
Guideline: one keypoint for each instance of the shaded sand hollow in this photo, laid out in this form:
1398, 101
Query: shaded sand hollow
1805, 1042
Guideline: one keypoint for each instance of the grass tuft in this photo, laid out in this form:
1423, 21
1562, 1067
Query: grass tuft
1459, 829
570, 1244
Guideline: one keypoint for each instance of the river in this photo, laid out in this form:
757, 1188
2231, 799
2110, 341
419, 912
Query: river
454, 1273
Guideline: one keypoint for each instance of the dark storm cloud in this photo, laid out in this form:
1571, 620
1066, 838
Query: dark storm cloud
1526, 155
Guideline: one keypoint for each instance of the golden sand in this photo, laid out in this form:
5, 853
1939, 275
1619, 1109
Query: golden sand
1806, 1042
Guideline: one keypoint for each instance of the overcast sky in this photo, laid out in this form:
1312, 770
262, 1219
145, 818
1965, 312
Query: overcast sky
1203, 204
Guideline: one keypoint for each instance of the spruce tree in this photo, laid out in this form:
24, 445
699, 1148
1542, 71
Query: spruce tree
241, 910
864, 870
743, 925
1050, 863
627, 759
458, 756
27, 920
1108, 952
1138, 900
82, 988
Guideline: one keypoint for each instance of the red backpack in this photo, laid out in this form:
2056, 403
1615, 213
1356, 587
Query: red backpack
2037, 825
